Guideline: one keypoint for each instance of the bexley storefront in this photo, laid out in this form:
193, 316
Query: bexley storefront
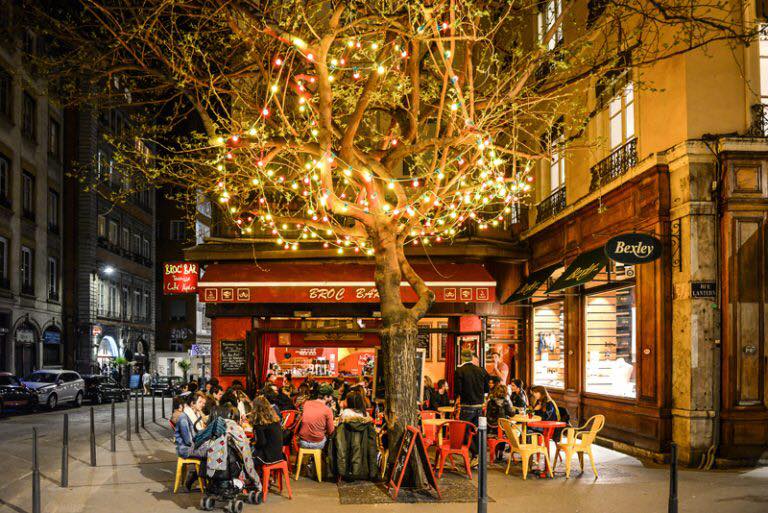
599, 336
322, 318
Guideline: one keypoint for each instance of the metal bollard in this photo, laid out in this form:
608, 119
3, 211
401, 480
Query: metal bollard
65, 453
162, 402
93, 439
136, 412
112, 429
154, 417
673, 479
142, 409
35, 474
128, 416
482, 470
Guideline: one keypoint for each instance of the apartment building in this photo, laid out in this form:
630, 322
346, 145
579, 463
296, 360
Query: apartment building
672, 350
31, 184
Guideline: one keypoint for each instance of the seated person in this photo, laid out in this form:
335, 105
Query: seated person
178, 409
317, 419
518, 397
496, 408
188, 424
356, 409
267, 445
440, 398
283, 400
353, 454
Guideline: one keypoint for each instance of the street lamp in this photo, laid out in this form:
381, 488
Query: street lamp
108, 269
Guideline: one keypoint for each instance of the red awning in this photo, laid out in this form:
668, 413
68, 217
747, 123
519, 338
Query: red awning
273, 282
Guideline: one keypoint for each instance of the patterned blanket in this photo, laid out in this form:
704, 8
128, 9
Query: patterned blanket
218, 448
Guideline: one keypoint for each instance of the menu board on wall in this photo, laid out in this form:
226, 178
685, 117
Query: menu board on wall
232, 360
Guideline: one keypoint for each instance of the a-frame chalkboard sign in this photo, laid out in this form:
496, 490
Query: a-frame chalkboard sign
412, 439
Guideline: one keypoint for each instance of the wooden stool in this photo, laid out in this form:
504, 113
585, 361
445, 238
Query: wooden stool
281, 473
317, 454
180, 463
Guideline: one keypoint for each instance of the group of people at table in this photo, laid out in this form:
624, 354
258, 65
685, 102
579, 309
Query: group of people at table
313, 414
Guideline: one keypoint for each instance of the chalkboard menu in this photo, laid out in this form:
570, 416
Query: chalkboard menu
411, 439
232, 358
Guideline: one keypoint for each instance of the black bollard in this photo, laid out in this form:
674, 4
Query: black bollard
482, 469
142, 410
93, 439
154, 418
136, 412
162, 402
673, 479
128, 416
65, 453
35, 474
112, 429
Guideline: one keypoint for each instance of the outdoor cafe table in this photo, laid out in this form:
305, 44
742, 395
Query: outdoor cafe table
436, 422
446, 411
524, 419
547, 430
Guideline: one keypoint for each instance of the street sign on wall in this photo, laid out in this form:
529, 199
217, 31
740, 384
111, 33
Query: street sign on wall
180, 277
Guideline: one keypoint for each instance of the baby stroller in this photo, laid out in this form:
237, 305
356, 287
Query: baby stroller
229, 470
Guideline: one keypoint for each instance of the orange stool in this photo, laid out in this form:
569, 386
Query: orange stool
287, 455
281, 474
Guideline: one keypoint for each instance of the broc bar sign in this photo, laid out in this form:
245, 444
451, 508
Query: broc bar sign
180, 277
633, 248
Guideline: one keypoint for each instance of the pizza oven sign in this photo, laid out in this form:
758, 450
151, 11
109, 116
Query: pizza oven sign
180, 277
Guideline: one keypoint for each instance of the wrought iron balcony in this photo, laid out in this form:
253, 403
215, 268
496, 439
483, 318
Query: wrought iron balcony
616, 164
759, 126
551, 205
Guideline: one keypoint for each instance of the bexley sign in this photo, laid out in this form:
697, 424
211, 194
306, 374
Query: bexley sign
633, 248
180, 277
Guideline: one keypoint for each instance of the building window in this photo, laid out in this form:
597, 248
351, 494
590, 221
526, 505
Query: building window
147, 307
5, 181
29, 117
99, 164
124, 300
177, 230
549, 11
145, 252
54, 138
102, 220
136, 304
549, 345
53, 211
621, 117
6, 94
136, 248
113, 233
556, 163
202, 232
4, 282
28, 195
178, 310
125, 241
27, 271
53, 279
611, 344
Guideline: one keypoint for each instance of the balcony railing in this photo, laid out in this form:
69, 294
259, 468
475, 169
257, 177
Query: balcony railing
551, 205
759, 126
616, 164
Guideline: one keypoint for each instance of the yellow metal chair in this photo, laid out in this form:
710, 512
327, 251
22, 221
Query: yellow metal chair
579, 441
317, 455
525, 450
180, 473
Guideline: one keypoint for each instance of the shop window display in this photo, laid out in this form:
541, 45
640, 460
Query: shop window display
611, 343
548, 345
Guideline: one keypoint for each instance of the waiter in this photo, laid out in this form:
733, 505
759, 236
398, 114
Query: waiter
470, 383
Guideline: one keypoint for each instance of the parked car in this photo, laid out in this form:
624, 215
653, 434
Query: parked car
14, 394
167, 385
100, 389
56, 386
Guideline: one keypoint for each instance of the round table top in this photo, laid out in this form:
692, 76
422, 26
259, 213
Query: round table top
446, 409
547, 424
524, 419
434, 422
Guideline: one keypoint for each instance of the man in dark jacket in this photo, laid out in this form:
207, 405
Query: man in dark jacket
470, 383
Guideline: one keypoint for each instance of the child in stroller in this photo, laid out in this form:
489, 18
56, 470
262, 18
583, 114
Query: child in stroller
229, 470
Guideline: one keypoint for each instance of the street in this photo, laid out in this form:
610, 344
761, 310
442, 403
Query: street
138, 477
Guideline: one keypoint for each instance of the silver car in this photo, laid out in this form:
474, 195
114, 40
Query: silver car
54, 387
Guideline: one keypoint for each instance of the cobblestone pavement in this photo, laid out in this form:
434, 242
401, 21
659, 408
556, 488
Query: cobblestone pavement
139, 475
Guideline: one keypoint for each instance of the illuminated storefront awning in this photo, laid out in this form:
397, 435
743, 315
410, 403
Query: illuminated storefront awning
531, 284
583, 269
285, 282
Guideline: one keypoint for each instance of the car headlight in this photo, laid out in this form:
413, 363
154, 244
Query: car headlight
44, 390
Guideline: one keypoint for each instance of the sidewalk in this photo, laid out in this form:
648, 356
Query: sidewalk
139, 477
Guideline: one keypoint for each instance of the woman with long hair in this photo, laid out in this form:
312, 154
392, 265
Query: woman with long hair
543, 405
497, 407
518, 397
267, 442
356, 407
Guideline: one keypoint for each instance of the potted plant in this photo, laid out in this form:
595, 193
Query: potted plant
185, 365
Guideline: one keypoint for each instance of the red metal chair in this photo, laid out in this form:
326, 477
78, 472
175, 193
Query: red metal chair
281, 474
458, 437
494, 442
429, 432
289, 418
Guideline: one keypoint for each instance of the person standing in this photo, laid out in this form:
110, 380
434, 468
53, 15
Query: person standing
470, 383
498, 368
146, 381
